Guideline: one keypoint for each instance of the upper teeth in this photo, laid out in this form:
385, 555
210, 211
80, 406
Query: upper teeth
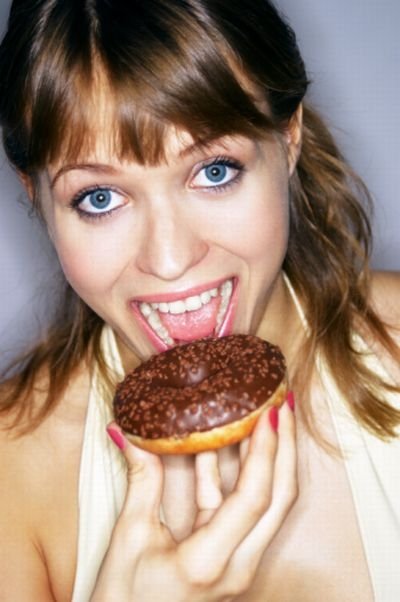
150, 310
180, 306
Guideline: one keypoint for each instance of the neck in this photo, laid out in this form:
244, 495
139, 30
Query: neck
281, 323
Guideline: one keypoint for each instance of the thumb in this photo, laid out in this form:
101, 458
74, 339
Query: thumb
145, 477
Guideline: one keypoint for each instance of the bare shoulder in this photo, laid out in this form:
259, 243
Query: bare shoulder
39, 479
386, 297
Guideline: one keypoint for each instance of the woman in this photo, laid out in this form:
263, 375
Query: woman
168, 149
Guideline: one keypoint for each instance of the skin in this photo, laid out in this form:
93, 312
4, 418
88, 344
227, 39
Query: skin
134, 252
238, 511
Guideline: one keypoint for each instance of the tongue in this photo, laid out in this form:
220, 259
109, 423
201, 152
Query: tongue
192, 325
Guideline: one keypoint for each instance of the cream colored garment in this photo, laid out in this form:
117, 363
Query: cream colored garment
102, 480
373, 469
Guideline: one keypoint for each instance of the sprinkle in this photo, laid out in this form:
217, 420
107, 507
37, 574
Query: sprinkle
198, 386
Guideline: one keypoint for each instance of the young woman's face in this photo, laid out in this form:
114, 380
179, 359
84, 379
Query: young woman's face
169, 253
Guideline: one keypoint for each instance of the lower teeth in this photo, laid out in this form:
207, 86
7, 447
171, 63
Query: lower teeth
221, 312
155, 323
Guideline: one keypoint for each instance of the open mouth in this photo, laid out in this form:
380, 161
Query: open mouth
207, 314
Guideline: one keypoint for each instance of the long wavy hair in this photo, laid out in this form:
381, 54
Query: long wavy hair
211, 68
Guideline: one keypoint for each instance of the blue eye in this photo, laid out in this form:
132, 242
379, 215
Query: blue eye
97, 202
218, 175
100, 199
215, 173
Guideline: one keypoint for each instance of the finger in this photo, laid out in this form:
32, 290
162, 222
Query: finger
208, 486
284, 494
216, 541
244, 450
144, 477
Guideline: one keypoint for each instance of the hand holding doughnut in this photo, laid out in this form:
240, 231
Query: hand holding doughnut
219, 559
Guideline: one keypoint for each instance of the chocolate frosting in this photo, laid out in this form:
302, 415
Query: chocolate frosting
198, 386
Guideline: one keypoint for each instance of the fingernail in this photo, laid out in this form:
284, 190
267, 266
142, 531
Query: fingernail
273, 416
116, 436
290, 400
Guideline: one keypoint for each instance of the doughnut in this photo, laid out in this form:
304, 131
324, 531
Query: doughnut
201, 395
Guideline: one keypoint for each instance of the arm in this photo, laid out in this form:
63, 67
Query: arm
386, 298
38, 490
23, 573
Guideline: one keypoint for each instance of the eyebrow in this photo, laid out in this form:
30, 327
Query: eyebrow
206, 145
103, 168
93, 167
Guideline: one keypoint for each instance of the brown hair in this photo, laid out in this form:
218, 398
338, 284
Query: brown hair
201, 66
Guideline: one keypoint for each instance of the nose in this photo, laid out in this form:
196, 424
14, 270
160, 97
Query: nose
170, 244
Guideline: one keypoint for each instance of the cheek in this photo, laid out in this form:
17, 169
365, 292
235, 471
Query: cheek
258, 229
265, 236
91, 262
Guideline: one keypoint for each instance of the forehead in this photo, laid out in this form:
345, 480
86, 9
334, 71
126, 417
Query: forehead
167, 144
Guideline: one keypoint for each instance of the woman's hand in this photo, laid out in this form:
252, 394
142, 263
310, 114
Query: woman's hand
219, 560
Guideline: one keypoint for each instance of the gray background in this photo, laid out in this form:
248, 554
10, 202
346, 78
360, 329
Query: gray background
352, 51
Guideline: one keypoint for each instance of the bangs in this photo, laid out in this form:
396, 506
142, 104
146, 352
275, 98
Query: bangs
129, 78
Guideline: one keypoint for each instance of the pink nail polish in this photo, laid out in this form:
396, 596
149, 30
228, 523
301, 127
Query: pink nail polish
290, 400
117, 437
273, 416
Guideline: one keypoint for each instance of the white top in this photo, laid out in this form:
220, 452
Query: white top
102, 479
373, 469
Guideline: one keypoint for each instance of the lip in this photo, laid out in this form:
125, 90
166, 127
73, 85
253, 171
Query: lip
183, 294
158, 344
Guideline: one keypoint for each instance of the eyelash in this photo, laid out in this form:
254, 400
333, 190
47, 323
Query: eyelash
217, 189
79, 197
227, 162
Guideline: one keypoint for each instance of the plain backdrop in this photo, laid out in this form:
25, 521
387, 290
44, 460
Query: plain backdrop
352, 51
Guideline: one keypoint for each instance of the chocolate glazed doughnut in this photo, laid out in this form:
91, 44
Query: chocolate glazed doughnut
200, 396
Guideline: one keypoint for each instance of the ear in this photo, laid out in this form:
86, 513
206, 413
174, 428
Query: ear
27, 183
293, 136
